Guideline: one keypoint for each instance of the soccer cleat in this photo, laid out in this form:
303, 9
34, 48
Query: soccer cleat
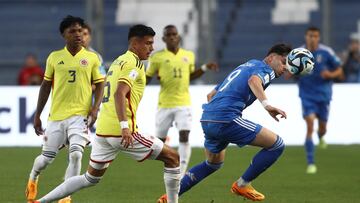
35, 201
162, 199
311, 169
322, 143
31, 190
65, 200
247, 191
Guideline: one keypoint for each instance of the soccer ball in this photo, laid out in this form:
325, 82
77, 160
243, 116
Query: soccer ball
300, 61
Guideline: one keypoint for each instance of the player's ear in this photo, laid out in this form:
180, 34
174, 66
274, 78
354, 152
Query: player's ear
163, 39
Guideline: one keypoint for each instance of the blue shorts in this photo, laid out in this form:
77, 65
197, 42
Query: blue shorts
320, 109
239, 131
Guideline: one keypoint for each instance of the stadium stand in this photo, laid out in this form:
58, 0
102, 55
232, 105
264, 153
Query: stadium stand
243, 29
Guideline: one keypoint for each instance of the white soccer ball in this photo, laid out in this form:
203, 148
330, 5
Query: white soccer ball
300, 61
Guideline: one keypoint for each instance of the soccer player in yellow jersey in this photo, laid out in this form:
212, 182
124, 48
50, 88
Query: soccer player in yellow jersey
175, 67
116, 127
69, 75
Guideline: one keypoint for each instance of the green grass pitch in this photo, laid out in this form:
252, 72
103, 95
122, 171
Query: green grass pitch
337, 180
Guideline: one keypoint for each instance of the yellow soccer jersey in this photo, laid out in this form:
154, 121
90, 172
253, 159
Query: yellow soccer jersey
174, 72
129, 69
72, 77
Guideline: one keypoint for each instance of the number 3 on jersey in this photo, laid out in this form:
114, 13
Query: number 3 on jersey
231, 77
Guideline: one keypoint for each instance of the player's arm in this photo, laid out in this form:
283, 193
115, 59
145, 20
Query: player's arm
120, 105
255, 84
44, 93
200, 71
211, 95
98, 92
338, 73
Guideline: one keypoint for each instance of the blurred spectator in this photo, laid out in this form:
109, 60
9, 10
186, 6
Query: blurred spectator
352, 62
31, 73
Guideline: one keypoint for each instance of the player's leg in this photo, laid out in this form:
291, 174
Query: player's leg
244, 132
272, 145
78, 138
215, 154
183, 121
102, 154
310, 110
309, 143
213, 162
323, 116
75, 183
164, 120
54, 138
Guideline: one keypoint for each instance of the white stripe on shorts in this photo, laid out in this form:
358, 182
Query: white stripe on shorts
245, 124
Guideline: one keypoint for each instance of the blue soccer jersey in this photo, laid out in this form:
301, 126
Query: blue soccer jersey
313, 86
234, 94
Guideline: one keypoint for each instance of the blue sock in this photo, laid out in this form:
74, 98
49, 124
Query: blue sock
197, 174
309, 148
263, 160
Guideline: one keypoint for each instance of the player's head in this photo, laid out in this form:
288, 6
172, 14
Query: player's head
86, 36
171, 37
71, 29
276, 58
141, 40
30, 60
312, 38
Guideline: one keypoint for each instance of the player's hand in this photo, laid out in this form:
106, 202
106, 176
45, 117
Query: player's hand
92, 116
274, 112
127, 139
326, 74
212, 66
37, 125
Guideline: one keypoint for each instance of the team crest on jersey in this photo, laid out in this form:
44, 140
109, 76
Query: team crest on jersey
185, 59
318, 58
133, 74
83, 62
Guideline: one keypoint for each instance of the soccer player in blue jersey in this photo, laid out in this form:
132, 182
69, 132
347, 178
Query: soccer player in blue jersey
315, 91
223, 124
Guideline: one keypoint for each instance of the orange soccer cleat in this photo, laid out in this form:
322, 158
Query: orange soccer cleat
162, 199
65, 200
31, 190
247, 191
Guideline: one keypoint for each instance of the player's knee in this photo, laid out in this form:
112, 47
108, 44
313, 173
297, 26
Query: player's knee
278, 146
76, 152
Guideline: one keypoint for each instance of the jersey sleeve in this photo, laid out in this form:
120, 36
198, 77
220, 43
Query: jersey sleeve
264, 76
95, 73
49, 71
153, 66
333, 60
128, 74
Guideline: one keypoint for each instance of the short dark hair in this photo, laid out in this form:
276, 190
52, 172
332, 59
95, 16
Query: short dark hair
168, 27
312, 28
140, 31
87, 26
280, 49
69, 21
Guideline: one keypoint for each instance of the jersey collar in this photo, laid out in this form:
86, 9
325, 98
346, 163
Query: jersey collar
130, 52
82, 49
